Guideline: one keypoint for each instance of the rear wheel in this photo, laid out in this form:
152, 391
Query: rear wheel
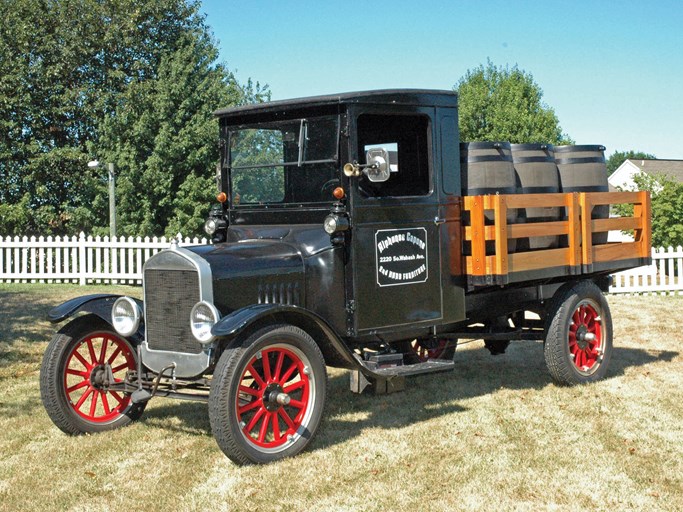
578, 343
267, 396
421, 350
78, 365
433, 348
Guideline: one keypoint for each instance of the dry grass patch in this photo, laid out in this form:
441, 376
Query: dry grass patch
493, 434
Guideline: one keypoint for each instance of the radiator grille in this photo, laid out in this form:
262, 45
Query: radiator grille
169, 298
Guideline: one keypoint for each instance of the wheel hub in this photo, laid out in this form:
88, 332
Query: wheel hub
581, 340
101, 377
274, 397
98, 376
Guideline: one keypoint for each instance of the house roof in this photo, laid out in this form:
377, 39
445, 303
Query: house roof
672, 168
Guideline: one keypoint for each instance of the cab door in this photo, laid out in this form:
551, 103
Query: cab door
395, 239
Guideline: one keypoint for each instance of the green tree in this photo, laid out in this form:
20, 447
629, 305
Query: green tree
251, 148
163, 139
65, 67
619, 157
667, 208
505, 104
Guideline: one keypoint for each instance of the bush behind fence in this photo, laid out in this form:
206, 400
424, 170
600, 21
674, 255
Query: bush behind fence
88, 260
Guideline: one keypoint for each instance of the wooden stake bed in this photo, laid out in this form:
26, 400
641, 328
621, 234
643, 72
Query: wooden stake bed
578, 256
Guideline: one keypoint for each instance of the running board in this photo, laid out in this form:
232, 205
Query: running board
392, 379
408, 370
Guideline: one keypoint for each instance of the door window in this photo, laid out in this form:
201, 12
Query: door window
406, 139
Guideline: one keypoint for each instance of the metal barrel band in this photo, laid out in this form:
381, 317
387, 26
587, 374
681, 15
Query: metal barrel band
533, 159
485, 158
578, 149
582, 160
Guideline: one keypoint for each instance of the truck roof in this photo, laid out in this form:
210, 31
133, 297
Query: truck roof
417, 97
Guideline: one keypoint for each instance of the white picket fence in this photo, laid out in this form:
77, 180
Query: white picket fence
663, 276
86, 260
80, 259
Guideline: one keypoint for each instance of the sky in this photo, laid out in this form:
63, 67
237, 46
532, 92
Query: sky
611, 70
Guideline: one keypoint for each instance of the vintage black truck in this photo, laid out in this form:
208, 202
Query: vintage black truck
352, 231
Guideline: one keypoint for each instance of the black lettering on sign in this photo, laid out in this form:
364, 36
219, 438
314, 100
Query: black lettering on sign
401, 256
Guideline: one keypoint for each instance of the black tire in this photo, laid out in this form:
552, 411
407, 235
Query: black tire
75, 355
578, 344
249, 424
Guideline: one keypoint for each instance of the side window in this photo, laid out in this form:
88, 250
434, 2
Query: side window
406, 139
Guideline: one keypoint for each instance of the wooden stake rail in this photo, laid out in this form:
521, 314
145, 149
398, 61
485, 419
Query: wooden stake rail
577, 227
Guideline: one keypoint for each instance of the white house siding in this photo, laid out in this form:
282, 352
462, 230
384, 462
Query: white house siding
623, 176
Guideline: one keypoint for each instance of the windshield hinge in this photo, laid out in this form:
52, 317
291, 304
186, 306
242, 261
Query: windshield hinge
223, 151
303, 137
345, 128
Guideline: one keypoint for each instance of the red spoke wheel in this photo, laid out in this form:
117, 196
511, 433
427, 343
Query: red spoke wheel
585, 337
579, 335
267, 396
425, 349
78, 366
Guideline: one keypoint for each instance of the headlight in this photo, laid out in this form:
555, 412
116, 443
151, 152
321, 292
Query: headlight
330, 224
125, 316
202, 318
210, 227
214, 224
334, 223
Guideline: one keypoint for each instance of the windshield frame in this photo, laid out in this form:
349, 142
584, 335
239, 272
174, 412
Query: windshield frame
297, 161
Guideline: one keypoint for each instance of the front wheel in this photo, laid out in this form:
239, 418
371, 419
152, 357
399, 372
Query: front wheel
267, 395
578, 343
79, 361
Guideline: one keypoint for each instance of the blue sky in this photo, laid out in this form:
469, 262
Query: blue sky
613, 71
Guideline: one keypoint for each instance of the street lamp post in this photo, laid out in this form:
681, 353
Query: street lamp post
94, 164
112, 200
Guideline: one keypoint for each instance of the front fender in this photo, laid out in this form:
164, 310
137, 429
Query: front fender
247, 319
98, 304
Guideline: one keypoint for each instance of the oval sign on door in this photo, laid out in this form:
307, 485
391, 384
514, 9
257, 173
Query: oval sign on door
401, 256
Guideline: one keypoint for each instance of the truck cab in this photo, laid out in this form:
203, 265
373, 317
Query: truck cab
343, 236
397, 251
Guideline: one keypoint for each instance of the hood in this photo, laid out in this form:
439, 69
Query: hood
251, 257
254, 272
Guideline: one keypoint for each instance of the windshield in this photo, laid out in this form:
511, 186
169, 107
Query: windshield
284, 162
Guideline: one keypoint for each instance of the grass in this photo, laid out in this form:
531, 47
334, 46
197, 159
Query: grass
493, 434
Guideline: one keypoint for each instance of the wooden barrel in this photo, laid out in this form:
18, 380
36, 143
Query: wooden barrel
486, 168
582, 168
537, 174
